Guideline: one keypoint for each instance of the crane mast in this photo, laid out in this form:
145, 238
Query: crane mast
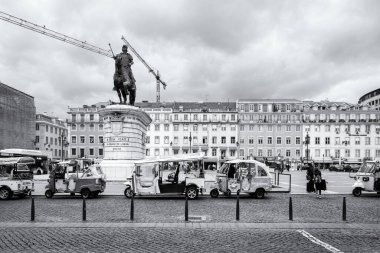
156, 75
82, 44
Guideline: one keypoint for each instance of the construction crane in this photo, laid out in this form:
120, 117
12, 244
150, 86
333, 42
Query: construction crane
156, 75
82, 44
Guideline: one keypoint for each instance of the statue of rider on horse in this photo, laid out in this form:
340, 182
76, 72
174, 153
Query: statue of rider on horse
123, 79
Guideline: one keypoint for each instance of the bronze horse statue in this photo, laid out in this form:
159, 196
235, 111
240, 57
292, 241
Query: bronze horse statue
118, 82
124, 83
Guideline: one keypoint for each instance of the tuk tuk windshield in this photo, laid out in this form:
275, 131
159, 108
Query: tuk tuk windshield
223, 169
368, 167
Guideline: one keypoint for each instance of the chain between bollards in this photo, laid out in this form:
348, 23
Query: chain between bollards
32, 211
237, 206
344, 209
132, 206
187, 209
290, 209
84, 210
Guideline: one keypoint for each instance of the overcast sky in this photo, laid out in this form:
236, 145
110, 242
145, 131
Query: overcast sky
205, 50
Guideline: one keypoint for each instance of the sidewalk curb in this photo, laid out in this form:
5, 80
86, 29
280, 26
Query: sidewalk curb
191, 225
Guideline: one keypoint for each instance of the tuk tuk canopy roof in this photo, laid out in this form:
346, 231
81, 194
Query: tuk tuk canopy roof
174, 158
249, 161
16, 160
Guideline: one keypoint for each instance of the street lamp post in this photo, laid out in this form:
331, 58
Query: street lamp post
63, 143
190, 143
307, 142
323, 163
238, 149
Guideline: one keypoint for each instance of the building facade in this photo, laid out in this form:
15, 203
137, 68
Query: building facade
266, 129
85, 129
270, 129
341, 131
51, 137
17, 119
371, 99
190, 127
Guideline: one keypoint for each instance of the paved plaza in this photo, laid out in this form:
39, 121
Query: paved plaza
159, 224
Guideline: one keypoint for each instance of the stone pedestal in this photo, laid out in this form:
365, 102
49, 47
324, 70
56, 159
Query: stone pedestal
124, 139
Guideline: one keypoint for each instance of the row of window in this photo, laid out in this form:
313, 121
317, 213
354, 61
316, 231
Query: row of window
81, 117
52, 129
194, 127
269, 128
269, 152
82, 139
340, 128
50, 141
193, 117
260, 140
194, 140
82, 127
81, 152
269, 107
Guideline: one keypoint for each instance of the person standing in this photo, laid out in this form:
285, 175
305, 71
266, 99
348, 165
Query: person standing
310, 178
318, 182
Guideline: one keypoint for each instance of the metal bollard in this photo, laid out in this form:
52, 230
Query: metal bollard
187, 209
344, 209
290, 209
32, 213
237, 206
84, 210
133, 207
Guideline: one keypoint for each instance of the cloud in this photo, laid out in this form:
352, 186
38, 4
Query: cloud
211, 49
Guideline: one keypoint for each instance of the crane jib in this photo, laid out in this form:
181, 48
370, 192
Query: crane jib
82, 44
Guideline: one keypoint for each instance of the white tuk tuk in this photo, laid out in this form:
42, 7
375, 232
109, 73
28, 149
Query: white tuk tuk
178, 174
367, 178
243, 176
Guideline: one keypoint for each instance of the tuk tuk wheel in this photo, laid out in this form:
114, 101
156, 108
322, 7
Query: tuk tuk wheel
85, 193
214, 193
192, 192
5, 193
128, 192
260, 193
357, 192
48, 194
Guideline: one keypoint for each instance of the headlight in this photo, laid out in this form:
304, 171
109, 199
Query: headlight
365, 179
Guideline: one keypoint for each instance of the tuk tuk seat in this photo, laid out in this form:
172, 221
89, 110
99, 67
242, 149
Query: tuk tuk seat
146, 181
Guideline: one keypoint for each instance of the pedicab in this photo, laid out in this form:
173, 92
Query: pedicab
174, 175
367, 178
67, 177
243, 176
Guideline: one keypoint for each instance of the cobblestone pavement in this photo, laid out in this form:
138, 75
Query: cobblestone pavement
186, 240
274, 208
159, 224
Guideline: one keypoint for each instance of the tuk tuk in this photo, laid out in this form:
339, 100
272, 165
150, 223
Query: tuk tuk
178, 174
367, 178
243, 176
16, 177
67, 177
